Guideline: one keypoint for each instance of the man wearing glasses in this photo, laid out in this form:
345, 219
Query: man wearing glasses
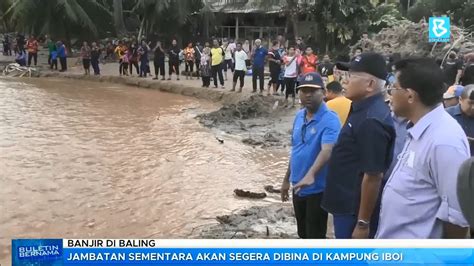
420, 198
363, 152
315, 130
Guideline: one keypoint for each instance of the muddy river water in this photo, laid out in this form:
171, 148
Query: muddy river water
95, 160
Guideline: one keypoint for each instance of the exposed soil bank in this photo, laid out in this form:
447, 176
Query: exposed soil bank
258, 120
215, 95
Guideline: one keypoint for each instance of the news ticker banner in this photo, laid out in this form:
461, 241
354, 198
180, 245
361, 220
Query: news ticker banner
240, 252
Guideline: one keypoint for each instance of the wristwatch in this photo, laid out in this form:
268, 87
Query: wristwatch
363, 224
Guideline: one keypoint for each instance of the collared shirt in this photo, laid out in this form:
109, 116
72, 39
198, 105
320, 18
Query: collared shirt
259, 57
400, 125
240, 57
365, 145
421, 192
306, 143
467, 123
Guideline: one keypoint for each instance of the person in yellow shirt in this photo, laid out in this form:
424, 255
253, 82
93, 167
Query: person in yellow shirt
337, 102
217, 57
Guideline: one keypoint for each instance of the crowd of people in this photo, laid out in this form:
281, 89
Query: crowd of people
26, 50
385, 163
372, 143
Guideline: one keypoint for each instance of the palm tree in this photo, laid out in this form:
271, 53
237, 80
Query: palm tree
56, 17
118, 16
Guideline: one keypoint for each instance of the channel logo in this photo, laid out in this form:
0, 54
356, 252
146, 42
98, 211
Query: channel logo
439, 29
37, 252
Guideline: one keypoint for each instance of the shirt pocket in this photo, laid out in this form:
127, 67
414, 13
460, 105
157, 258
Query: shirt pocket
405, 181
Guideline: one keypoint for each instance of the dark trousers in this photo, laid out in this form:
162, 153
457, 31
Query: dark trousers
54, 64
121, 70
49, 59
63, 62
33, 56
206, 81
344, 225
189, 68
174, 67
239, 74
282, 84
95, 66
143, 68
217, 71
159, 66
290, 87
228, 64
198, 64
311, 219
257, 72
134, 64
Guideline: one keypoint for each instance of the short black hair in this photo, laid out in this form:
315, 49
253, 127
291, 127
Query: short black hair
239, 43
386, 45
424, 76
468, 92
334, 86
359, 48
275, 43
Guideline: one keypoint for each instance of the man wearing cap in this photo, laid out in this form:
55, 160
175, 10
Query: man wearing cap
451, 96
419, 200
363, 151
315, 131
464, 113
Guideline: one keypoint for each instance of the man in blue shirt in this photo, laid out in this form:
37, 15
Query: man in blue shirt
258, 55
315, 130
464, 114
364, 150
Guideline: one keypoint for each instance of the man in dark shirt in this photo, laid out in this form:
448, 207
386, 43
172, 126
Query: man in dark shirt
326, 67
274, 64
464, 113
364, 149
452, 69
173, 59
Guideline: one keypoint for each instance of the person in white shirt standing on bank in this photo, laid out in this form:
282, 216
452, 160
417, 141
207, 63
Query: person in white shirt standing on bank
240, 67
290, 75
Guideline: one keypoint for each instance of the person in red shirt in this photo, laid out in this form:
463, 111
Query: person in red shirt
309, 62
32, 47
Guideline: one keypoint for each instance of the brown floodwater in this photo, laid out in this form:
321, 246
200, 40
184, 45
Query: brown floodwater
97, 160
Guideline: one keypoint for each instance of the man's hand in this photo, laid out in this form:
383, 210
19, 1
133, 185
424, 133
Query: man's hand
285, 187
307, 180
360, 232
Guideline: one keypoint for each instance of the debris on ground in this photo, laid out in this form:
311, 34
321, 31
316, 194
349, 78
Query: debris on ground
249, 194
271, 189
410, 38
271, 221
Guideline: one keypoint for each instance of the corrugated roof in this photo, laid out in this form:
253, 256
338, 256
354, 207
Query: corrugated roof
250, 6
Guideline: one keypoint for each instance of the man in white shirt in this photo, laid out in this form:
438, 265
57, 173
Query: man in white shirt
240, 67
229, 48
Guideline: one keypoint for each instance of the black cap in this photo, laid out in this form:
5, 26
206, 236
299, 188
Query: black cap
311, 80
371, 63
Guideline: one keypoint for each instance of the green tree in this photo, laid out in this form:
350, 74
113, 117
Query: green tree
164, 14
60, 18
